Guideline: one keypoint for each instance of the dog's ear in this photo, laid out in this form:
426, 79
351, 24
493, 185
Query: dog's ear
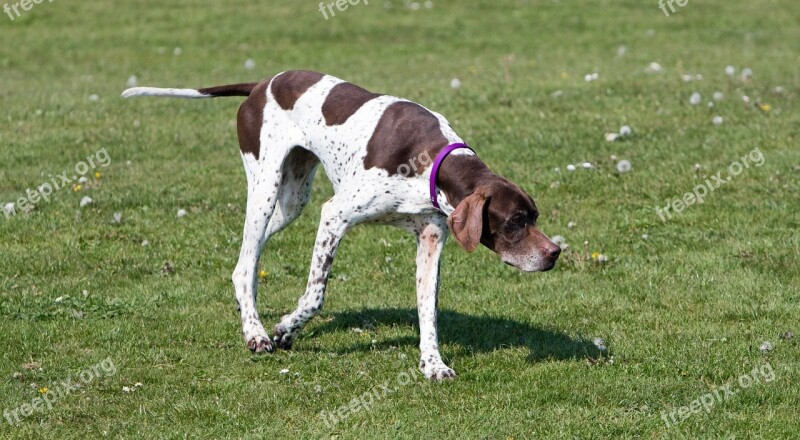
466, 221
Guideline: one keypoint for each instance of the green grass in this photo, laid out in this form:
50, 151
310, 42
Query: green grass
682, 312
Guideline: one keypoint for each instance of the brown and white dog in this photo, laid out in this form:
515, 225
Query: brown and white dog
376, 151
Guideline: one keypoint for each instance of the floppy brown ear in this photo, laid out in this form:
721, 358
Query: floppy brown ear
466, 221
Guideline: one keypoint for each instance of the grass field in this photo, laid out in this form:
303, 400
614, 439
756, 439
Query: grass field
139, 309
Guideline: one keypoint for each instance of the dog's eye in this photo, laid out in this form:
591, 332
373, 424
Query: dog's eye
518, 220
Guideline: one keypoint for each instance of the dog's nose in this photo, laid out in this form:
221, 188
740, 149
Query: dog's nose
553, 251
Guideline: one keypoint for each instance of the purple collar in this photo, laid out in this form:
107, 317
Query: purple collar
437, 163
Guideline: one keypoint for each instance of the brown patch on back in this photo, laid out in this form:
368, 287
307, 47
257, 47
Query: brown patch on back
251, 118
406, 134
343, 101
290, 86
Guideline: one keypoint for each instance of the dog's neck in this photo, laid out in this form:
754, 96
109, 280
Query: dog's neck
459, 176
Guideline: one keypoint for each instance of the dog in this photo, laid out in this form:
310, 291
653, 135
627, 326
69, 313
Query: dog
376, 150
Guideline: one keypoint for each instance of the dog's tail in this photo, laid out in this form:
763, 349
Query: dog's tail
243, 89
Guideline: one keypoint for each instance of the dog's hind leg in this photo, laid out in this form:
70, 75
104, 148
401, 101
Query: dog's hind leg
332, 227
266, 138
263, 187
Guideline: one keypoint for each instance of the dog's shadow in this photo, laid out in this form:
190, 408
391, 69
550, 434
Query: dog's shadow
464, 333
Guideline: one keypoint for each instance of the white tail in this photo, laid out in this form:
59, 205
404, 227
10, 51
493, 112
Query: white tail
155, 91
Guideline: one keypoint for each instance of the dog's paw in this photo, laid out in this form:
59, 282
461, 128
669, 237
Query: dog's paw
437, 372
283, 339
259, 344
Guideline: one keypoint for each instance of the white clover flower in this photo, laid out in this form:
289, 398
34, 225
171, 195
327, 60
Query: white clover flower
611, 137
624, 130
717, 120
600, 344
746, 74
586, 165
654, 67
455, 83
570, 167
8, 209
766, 347
181, 213
623, 166
718, 96
94, 98
177, 51
695, 98
559, 240
284, 371
86, 200
250, 64
730, 70
621, 51
133, 81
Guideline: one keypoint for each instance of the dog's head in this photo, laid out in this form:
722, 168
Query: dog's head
502, 217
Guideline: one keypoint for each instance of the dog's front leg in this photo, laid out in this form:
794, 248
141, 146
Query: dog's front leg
431, 235
332, 227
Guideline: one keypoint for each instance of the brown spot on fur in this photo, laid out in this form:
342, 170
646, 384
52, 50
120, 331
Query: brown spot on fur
405, 132
343, 101
251, 118
290, 86
326, 266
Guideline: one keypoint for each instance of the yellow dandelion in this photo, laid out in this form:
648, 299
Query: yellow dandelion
765, 107
77, 187
595, 255
43, 390
97, 175
262, 274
